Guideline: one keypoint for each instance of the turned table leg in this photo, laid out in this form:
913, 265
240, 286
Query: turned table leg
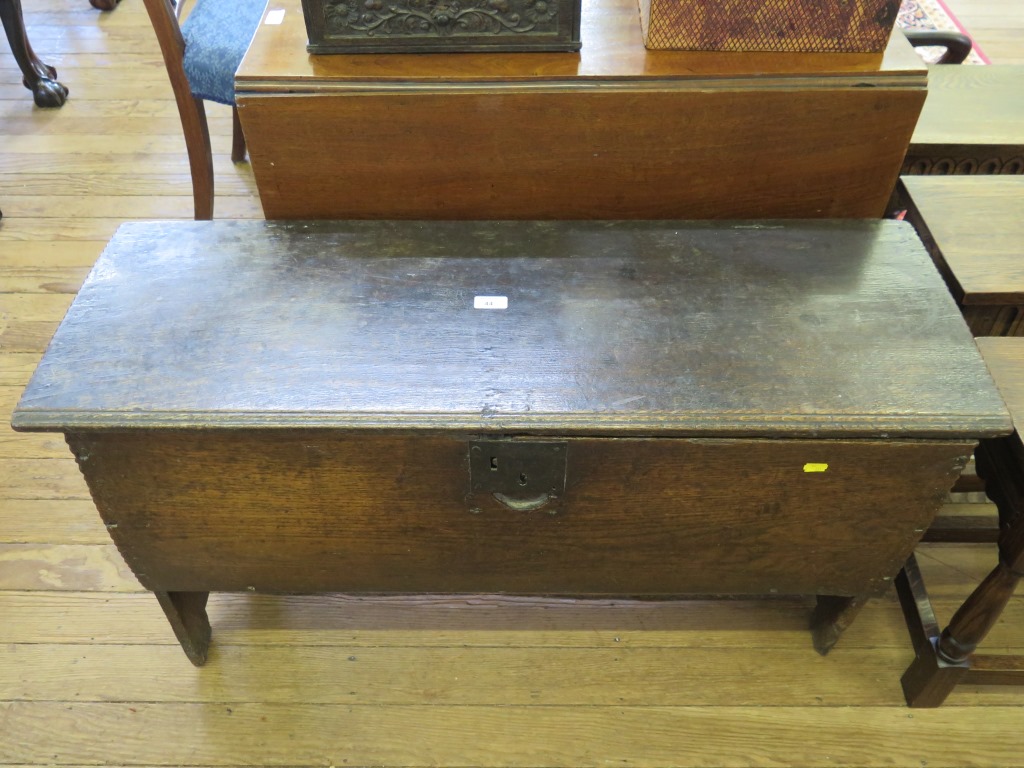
944, 659
37, 76
186, 611
929, 678
831, 617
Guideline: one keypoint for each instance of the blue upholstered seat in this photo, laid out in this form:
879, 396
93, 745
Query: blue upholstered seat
217, 34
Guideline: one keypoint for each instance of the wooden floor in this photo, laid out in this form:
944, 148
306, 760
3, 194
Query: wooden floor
90, 673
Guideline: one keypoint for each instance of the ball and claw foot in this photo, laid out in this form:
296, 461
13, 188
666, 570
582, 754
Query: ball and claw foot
49, 93
41, 79
37, 75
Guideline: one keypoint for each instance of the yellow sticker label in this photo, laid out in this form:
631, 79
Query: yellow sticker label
815, 467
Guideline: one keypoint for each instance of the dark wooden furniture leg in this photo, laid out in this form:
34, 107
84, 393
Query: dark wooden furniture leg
943, 660
186, 611
104, 5
237, 138
37, 76
190, 108
930, 678
831, 617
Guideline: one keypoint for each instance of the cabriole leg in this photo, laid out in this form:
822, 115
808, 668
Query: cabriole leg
36, 75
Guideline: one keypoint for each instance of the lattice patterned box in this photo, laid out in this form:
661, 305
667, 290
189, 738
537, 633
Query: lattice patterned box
825, 26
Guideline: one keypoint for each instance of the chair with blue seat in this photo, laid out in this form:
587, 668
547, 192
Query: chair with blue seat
201, 55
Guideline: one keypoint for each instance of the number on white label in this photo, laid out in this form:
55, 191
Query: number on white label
490, 302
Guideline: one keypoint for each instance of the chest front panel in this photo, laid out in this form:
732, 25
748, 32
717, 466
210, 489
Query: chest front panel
315, 510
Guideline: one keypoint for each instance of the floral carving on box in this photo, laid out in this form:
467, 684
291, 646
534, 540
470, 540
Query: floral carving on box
440, 18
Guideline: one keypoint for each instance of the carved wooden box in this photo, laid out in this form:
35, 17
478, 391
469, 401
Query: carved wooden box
820, 26
451, 26
591, 408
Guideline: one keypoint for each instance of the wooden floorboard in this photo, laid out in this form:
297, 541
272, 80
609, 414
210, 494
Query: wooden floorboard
434, 734
90, 673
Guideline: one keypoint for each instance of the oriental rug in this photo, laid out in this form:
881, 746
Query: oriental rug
935, 14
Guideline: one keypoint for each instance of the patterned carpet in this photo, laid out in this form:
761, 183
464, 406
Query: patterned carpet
933, 14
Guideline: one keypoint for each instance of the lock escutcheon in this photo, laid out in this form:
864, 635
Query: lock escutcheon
523, 475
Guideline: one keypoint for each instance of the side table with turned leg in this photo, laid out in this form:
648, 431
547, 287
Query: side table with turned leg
38, 77
947, 658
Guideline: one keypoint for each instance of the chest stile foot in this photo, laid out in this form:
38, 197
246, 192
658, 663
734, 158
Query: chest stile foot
831, 617
186, 612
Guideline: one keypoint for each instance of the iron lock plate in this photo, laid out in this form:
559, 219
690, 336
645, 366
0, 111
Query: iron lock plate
523, 475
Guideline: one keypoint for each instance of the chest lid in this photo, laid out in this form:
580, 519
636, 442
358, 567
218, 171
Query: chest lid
804, 329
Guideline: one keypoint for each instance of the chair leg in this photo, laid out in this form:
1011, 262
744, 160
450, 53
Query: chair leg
237, 138
200, 159
190, 108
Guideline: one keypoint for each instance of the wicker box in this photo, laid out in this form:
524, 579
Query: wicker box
820, 26
443, 26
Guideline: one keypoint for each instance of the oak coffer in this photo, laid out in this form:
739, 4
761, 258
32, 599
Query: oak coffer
587, 408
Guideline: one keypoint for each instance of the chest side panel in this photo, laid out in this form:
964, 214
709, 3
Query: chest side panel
302, 510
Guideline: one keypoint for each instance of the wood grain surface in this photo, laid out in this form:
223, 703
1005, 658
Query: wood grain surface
956, 96
330, 513
565, 736
580, 152
836, 329
973, 228
1005, 357
972, 122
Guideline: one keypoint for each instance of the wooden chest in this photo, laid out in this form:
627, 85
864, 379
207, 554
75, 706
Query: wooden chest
589, 408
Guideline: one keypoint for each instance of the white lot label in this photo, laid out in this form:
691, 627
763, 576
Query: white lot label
490, 302
275, 16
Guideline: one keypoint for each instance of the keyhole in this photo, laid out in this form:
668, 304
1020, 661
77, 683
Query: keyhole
522, 478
